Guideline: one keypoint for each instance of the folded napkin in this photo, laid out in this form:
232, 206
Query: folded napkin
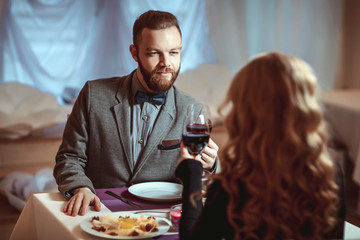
25, 109
18, 186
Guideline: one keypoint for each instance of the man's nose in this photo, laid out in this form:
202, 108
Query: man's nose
164, 61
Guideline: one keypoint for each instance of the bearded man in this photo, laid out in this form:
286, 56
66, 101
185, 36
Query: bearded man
127, 130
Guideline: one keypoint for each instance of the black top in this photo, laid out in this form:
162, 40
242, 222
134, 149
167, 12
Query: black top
210, 221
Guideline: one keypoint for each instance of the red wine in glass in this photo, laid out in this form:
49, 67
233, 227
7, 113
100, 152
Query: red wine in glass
195, 141
198, 128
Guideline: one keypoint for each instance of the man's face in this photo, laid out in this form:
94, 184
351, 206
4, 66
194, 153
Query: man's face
158, 56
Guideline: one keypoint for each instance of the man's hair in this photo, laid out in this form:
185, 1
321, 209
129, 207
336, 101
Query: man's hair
155, 20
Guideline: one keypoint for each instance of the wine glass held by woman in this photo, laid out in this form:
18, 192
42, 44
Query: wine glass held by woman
277, 180
207, 114
196, 135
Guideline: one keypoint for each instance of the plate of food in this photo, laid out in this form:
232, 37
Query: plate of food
157, 191
125, 226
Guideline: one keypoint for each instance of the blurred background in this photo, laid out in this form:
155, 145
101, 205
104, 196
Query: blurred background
57, 45
50, 48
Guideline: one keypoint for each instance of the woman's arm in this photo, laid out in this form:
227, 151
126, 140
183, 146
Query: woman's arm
190, 172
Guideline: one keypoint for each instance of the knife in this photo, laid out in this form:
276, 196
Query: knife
122, 199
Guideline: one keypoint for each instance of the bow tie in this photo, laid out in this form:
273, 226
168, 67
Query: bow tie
158, 99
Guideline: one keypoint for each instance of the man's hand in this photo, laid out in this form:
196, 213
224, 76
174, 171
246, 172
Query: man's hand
207, 156
82, 199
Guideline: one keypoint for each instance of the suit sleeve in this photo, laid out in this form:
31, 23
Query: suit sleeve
71, 159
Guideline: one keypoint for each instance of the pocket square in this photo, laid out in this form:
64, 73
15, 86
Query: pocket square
169, 144
166, 143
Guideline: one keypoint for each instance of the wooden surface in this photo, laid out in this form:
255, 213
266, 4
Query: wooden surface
27, 155
8, 218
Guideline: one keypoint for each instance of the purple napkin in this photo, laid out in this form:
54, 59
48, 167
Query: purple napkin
116, 205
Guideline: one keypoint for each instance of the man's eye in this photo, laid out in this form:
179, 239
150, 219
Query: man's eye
174, 53
152, 53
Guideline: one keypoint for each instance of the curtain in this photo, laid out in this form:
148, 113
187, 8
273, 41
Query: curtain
59, 44
310, 30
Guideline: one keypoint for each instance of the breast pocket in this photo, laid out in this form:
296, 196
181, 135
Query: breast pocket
169, 144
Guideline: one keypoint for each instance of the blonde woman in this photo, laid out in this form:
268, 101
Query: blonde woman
277, 180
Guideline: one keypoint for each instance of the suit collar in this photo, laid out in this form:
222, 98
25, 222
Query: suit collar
169, 105
124, 89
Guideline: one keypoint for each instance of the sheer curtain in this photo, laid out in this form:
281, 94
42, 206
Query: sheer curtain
307, 29
60, 44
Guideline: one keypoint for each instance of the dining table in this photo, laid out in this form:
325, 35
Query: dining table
42, 217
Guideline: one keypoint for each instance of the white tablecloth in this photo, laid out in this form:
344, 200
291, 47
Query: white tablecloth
42, 219
342, 111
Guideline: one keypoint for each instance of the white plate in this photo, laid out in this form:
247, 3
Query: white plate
163, 227
157, 191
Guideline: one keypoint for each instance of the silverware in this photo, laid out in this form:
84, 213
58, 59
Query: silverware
165, 213
152, 211
122, 199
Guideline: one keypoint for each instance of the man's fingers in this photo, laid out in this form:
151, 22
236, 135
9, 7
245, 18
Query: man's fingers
84, 206
70, 206
65, 207
79, 203
97, 204
76, 206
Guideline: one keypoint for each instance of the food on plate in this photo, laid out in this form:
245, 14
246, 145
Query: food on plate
125, 226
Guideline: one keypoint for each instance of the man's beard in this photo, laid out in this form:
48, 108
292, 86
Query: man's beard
155, 83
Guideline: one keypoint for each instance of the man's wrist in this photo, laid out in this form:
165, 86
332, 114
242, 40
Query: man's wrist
75, 190
69, 194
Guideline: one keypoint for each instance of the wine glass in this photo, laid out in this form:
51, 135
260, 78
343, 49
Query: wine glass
208, 116
196, 132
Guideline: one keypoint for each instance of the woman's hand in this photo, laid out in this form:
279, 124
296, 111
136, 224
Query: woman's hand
207, 157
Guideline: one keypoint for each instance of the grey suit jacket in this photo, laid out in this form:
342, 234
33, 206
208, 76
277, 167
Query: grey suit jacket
96, 147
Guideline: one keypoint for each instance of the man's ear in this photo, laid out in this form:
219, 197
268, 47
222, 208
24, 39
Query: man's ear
133, 52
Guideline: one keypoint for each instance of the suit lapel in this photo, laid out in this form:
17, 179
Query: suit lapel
160, 129
122, 112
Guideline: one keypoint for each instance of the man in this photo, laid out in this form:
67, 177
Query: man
113, 138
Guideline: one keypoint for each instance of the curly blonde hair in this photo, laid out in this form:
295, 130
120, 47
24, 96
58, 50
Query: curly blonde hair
277, 149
